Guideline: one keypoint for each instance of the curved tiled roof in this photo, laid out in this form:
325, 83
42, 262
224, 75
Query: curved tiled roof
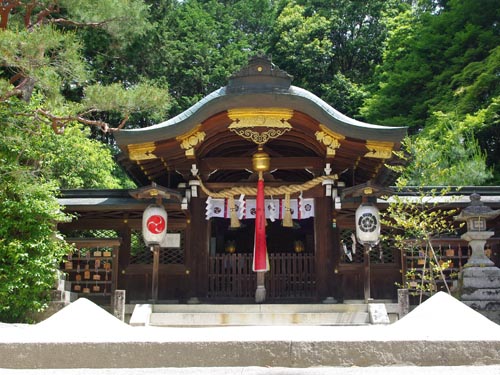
260, 88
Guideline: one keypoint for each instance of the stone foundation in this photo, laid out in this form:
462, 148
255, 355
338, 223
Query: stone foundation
480, 290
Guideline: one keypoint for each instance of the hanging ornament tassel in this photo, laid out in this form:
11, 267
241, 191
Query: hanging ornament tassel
260, 259
287, 217
233, 213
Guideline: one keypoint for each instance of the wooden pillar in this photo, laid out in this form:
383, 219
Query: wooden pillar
124, 258
366, 272
154, 278
198, 248
323, 239
335, 281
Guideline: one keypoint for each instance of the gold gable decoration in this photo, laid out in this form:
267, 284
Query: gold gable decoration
330, 139
190, 140
379, 150
246, 120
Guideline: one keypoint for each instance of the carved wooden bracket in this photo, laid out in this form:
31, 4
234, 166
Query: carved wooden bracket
190, 140
141, 151
379, 150
330, 139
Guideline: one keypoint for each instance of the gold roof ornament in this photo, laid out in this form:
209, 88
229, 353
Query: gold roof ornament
190, 140
246, 120
141, 151
330, 139
379, 150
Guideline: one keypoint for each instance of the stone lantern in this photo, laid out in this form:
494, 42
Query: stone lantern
475, 215
479, 282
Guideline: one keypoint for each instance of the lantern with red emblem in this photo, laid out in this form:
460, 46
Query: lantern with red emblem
154, 224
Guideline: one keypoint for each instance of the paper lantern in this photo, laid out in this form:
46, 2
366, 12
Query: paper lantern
368, 224
154, 224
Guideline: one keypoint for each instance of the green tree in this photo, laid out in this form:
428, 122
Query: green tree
41, 50
416, 218
29, 245
331, 47
48, 91
440, 70
196, 45
446, 153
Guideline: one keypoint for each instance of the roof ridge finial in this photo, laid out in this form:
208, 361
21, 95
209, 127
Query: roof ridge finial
260, 73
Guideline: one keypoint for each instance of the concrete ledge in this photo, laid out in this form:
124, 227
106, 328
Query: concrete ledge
141, 315
248, 353
378, 313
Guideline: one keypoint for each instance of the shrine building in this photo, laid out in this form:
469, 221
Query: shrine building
257, 165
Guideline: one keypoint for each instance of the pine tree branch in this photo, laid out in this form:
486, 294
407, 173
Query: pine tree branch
10, 94
5, 8
64, 21
59, 122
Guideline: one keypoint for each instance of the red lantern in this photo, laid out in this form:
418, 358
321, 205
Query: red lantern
154, 224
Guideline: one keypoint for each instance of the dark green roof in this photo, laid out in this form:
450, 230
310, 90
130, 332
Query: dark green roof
260, 84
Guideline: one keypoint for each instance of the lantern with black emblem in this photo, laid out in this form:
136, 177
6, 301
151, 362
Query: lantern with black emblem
368, 224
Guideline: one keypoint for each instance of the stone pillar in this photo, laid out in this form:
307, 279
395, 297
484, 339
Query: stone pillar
119, 304
403, 302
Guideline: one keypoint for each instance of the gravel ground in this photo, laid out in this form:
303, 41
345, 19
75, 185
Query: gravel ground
396, 370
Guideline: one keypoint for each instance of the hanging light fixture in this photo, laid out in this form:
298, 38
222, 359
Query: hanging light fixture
368, 224
154, 224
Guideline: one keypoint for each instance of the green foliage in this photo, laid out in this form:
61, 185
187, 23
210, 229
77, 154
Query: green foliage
331, 47
52, 58
416, 219
122, 19
73, 160
416, 215
423, 280
45, 56
144, 97
29, 245
446, 153
197, 47
440, 77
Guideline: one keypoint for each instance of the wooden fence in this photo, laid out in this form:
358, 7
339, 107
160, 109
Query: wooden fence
290, 276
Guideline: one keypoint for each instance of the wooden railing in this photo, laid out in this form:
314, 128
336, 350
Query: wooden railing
290, 276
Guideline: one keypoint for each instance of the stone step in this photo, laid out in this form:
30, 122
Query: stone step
255, 318
259, 308
186, 315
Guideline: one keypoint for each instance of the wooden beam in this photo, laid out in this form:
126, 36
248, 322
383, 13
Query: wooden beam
238, 163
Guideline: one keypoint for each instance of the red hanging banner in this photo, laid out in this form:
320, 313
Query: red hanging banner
260, 259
